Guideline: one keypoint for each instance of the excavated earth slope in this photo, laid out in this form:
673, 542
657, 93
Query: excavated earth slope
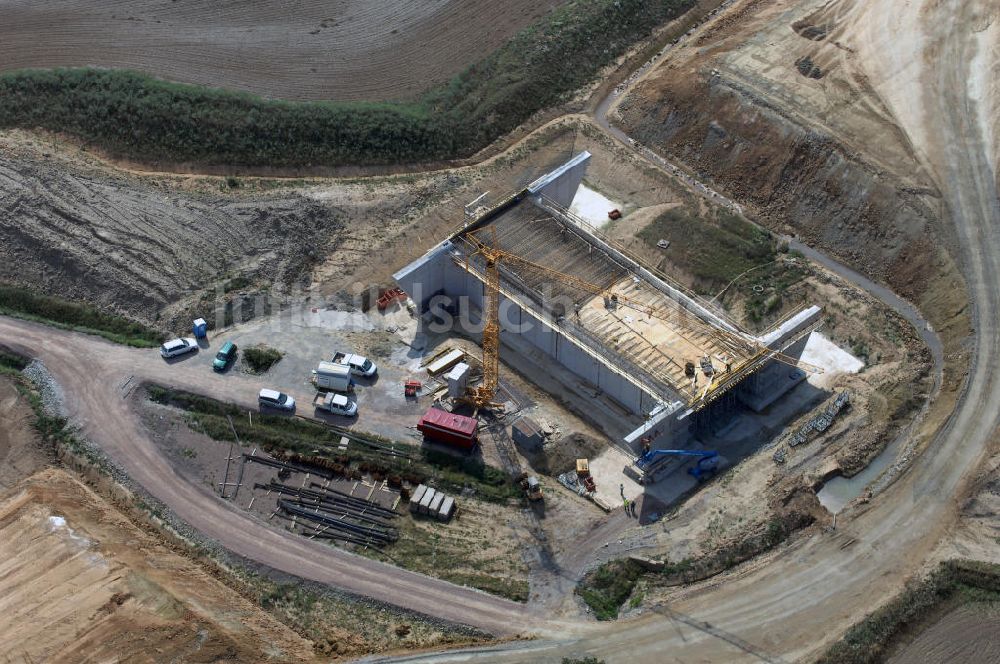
80, 583
804, 109
130, 244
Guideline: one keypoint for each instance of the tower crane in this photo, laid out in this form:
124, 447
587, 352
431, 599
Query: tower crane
483, 395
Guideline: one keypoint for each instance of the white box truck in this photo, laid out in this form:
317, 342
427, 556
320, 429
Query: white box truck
330, 376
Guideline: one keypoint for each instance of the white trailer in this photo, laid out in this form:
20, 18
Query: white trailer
330, 376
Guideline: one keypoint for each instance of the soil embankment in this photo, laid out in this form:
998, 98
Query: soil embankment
82, 583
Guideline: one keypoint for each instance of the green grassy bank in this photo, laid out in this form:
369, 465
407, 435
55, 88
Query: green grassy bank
139, 117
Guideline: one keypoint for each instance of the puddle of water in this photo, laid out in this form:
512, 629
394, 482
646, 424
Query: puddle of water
839, 491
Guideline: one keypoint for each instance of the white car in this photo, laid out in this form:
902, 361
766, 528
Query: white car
177, 347
275, 399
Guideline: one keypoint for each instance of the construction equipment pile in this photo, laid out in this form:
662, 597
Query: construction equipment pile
816, 425
821, 422
336, 515
431, 502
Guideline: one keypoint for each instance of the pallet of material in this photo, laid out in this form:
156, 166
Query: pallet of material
425, 502
435, 505
447, 508
416, 497
446, 361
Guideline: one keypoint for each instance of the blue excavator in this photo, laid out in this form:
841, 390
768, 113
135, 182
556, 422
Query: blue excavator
708, 461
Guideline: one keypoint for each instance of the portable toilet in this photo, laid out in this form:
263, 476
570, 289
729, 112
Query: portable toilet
458, 379
200, 328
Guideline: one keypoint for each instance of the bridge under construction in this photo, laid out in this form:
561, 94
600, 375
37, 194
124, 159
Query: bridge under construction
576, 298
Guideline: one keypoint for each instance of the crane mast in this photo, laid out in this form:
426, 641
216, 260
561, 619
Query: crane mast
483, 395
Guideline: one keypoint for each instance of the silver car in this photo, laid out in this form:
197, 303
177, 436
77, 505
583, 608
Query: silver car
275, 399
177, 347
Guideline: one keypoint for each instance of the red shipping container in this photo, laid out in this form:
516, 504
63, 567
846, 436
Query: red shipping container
446, 427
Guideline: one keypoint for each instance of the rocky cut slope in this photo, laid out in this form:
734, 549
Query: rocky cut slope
804, 110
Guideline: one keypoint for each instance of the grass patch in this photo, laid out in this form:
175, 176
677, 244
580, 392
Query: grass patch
23, 303
759, 539
340, 626
317, 442
731, 259
259, 359
606, 588
714, 250
466, 552
868, 641
13, 362
139, 117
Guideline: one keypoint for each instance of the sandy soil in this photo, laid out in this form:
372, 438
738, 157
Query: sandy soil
21, 451
309, 49
80, 582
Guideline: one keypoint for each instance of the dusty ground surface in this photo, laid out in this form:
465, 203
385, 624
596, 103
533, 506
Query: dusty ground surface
21, 452
141, 600
574, 529
823, 578
81, 582
195, 504
480, 547
346, 50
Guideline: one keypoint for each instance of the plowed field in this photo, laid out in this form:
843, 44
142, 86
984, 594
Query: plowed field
304, 49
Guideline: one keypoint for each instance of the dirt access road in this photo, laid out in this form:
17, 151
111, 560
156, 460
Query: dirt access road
90, 371
302, 50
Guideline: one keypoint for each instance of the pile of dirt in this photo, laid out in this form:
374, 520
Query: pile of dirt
559, 456
21, 449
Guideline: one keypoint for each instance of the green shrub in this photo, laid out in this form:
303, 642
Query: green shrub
13, 361
23, 303
260, 359
606, 588
134, 115
713, 251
